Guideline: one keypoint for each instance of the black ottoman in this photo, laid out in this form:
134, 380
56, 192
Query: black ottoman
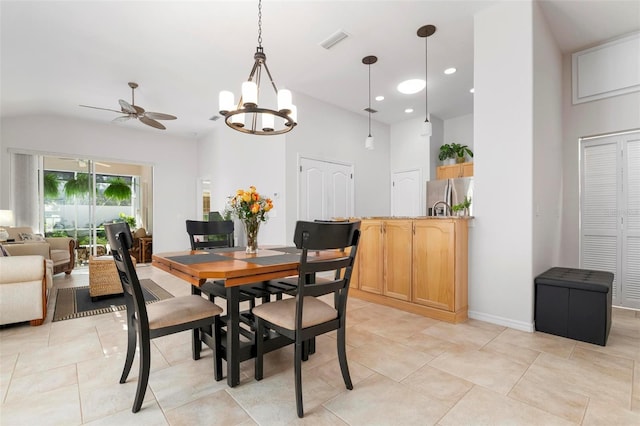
574, 303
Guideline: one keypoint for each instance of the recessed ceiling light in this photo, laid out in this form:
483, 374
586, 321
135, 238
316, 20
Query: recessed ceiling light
380, 98
472, 90
450, 71
408, 110
409, 87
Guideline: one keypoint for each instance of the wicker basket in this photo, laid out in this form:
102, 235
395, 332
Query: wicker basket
103, 276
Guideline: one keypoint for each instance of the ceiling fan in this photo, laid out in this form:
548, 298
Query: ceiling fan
131, 110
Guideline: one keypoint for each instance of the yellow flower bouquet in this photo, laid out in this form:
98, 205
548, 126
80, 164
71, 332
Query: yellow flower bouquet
251, 208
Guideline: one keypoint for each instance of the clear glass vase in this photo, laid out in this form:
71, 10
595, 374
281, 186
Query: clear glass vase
251, 228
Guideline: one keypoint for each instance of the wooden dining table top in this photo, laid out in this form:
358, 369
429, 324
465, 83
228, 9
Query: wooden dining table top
234, 265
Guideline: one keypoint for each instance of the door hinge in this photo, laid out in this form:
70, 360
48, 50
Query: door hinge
351, 175
300, 169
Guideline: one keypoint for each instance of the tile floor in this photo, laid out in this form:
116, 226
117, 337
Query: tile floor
406, 369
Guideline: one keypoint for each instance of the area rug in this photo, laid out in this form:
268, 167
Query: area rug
75, 302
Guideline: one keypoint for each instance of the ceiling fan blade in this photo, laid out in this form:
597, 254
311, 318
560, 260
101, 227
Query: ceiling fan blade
126, 107
153, 123
121, 118
104, 109
138, 109
159, 116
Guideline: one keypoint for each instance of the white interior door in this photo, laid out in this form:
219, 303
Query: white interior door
610, 212
406, 193
326, 189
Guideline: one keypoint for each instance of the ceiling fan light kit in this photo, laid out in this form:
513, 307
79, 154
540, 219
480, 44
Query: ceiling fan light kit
426, 31
131, 110
244, 115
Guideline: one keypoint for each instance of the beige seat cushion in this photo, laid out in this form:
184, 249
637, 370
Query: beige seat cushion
60, 256
179, 310
283, 312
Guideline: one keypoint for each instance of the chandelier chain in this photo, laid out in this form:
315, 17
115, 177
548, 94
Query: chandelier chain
260, 23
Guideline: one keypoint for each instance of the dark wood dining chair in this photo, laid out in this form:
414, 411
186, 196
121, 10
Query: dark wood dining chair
305, 316
158, 319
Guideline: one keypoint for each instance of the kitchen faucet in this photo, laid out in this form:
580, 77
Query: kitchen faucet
433, 208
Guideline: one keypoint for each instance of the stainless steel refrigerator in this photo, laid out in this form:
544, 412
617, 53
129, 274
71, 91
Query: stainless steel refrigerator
451, 191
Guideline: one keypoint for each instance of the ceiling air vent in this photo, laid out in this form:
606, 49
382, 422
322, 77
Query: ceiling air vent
371, 110
334, 39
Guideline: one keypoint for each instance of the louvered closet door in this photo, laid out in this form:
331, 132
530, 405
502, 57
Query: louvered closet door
631, 223
610, 212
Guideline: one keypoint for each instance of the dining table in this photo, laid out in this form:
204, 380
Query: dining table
239, 270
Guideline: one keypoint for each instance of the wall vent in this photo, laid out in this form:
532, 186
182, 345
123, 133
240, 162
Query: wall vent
371, 110
334, 39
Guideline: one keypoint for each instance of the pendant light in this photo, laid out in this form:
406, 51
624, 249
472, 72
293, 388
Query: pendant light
368, 60
426, 31
244, 116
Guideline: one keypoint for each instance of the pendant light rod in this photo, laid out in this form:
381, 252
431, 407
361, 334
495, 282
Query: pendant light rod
426, 31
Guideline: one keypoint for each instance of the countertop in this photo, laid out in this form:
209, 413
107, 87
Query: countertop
411, 217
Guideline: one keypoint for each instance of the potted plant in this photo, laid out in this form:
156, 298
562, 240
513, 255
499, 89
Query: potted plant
460, 152
462, 209
118, 189
446, 153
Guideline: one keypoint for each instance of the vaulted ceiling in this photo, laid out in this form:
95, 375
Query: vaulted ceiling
57, 55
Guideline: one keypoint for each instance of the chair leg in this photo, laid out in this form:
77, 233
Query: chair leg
131, 351
196, 344
342, 358
217, 357
143, 376
259, 336
298, 377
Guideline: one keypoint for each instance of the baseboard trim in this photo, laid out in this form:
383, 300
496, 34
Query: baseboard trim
506, 322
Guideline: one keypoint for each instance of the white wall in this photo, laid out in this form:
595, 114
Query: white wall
500, 246
173, 160
234, 160
326, 132
602, 116
547, 146
411, 151
459, 130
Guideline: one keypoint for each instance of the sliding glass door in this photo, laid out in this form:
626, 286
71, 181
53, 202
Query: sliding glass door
65, 196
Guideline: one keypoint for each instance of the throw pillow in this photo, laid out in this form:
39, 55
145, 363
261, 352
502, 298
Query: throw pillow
38, 237
3, 252
25, 236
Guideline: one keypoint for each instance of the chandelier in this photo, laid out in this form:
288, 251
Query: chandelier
247, 116
426, 31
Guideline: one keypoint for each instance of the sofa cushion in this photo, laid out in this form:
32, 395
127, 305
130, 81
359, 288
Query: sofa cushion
60, 256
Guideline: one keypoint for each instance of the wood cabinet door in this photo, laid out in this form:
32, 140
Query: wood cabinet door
370, 257
397, 258
467, 169
447, 172
454, 171
434, 264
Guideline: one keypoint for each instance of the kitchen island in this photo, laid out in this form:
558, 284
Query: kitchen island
415, 264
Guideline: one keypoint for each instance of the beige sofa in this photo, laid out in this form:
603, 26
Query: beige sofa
61, 250
25, 282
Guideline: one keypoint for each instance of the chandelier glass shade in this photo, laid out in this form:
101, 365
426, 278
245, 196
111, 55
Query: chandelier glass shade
248, 115
426, 31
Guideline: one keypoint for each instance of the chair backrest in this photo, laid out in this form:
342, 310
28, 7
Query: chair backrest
121, 241
319, 236
211, 234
